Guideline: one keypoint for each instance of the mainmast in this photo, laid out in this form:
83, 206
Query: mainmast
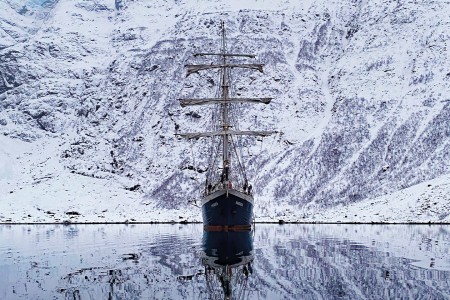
224, 99
225, 121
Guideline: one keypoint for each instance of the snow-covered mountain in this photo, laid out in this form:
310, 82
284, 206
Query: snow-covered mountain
88, 108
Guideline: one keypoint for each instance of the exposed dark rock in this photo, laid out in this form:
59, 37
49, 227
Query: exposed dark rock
73, 213
133, 188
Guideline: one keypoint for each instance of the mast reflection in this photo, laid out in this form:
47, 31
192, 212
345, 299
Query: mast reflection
227, 258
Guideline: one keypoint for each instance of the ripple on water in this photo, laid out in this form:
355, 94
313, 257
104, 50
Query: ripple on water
165, 261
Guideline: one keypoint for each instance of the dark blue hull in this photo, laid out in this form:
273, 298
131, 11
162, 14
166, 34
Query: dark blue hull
228, 208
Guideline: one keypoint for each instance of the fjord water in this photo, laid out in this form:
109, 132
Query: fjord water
169, 262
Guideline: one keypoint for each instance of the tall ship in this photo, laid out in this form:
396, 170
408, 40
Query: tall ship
227, 197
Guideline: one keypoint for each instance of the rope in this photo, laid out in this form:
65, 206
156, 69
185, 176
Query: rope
214, 125
239, 161
211, 166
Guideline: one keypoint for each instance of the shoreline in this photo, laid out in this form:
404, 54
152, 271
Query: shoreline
281, 222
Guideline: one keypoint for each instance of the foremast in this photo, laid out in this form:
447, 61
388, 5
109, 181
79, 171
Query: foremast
225, 100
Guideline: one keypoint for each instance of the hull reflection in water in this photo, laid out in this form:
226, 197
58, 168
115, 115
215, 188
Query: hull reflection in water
227, 258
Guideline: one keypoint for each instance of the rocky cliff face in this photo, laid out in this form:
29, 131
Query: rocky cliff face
361, 93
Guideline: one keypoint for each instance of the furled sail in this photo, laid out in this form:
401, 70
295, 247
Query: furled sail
195, 68
225, 132
202, 101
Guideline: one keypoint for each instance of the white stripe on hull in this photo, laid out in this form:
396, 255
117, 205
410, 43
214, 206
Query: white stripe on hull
234, 192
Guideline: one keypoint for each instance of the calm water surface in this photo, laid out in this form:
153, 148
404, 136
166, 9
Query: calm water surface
182, 262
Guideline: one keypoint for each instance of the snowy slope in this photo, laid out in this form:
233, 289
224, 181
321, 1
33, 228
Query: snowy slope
88, 94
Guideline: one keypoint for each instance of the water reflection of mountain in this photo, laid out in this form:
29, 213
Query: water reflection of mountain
308, 263
227, 259
165, 262
290, 262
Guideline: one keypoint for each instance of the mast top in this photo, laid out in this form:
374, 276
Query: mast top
223, 53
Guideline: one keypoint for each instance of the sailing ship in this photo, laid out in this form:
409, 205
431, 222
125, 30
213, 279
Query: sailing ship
227, 198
